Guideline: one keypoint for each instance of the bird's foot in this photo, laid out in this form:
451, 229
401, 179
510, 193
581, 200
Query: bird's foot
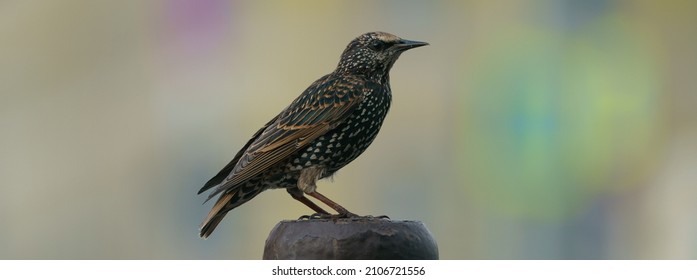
370, 217
324, 216
385, 217
316, 216
354, 217
347, 215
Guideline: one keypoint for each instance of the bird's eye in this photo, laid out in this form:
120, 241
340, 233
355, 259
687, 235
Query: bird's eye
378, 45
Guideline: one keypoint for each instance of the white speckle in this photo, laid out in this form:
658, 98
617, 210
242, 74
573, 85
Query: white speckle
304, 155
313, 157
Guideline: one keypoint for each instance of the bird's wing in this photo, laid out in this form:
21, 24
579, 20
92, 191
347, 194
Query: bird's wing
323, 106
223, 173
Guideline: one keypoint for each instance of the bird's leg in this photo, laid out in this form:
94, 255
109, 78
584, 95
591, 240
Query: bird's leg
342, 211
297, 194
307, 183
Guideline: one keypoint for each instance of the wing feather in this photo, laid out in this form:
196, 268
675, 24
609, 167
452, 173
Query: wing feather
225, 172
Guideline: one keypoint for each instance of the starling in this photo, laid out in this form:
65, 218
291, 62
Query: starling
330, 124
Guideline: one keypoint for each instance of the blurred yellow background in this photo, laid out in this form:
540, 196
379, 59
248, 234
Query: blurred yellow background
526, 130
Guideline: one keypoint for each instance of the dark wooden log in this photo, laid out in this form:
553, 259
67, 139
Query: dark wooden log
355, 239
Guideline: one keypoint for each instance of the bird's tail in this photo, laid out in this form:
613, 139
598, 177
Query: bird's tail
216, 214
228, 200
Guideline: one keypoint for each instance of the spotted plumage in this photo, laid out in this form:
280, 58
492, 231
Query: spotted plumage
329, 125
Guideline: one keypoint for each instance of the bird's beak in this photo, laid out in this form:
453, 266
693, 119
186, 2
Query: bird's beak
404, 45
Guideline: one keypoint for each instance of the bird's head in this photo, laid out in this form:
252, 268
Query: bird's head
373, 54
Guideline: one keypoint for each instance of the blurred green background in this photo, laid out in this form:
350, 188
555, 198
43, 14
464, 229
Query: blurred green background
526, 130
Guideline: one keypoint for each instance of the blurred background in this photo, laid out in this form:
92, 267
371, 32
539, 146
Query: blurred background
526, 130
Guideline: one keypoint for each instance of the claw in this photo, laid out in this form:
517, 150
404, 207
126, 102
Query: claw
315, 216
372, 217
347, 215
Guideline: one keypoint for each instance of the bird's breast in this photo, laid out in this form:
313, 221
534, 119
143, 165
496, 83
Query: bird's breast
348, 140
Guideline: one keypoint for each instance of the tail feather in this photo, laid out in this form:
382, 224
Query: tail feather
210, 225
228, 200
216, 214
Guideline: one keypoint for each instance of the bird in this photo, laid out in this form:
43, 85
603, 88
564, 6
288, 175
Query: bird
329, 125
